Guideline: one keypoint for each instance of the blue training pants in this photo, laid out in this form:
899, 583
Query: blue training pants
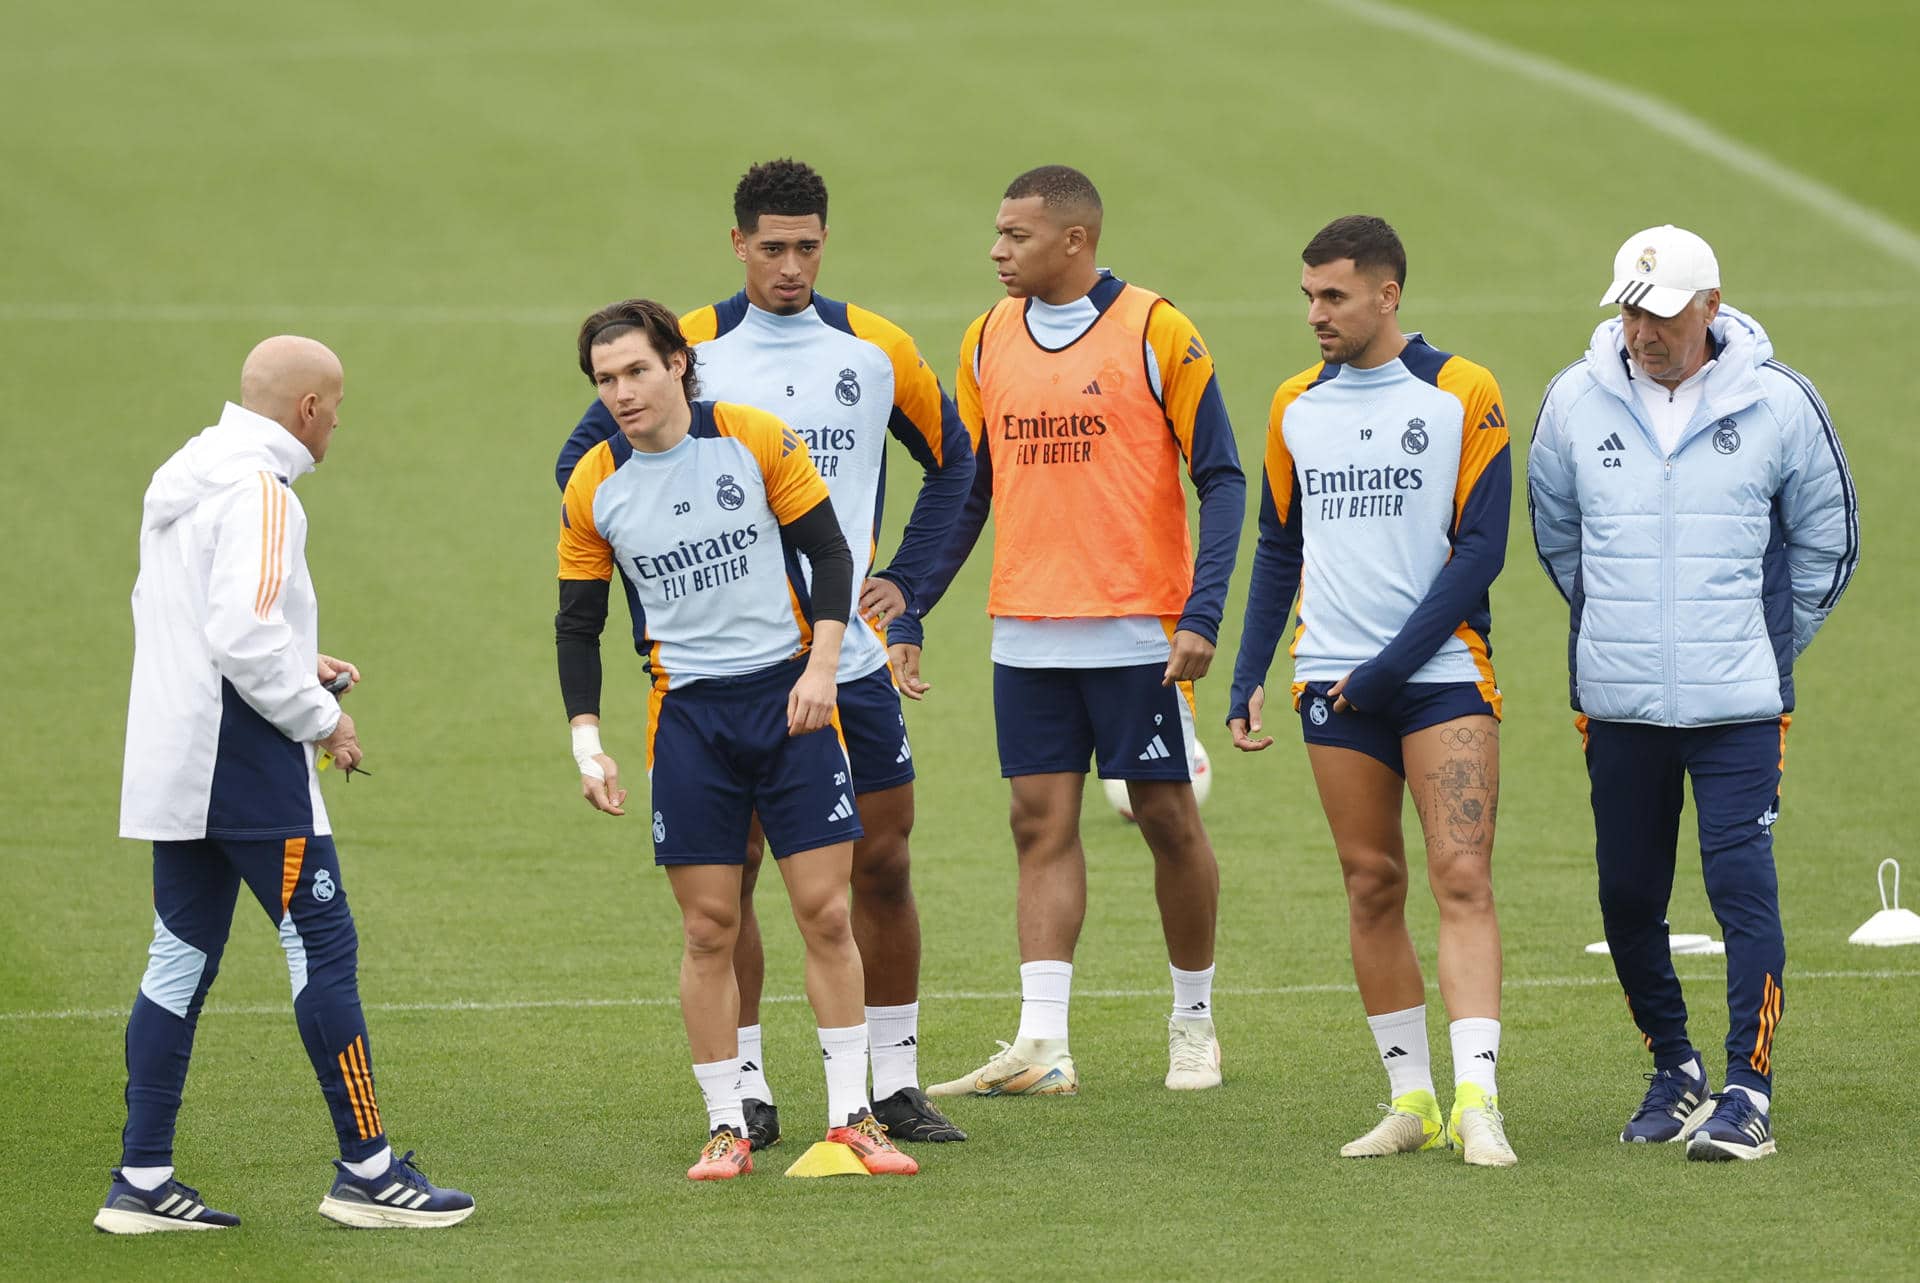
1638, 773
195, 887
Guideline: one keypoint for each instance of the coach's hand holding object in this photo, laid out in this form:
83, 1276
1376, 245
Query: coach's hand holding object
1189, 657
331, 670
1245, 728
343, 745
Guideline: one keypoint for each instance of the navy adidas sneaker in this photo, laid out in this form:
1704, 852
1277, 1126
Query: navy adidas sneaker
132, 1210
1737, 1129
1675, 1104
400, 1197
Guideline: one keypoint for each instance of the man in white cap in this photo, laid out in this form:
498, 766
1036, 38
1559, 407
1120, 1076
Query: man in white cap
1691, 501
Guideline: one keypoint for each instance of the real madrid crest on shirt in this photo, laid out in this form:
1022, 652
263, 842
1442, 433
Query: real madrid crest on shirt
1726, 437
848, 388
1414, 439
729, 494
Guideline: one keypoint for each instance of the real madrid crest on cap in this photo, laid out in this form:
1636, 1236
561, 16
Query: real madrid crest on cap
848, 389
1649, 257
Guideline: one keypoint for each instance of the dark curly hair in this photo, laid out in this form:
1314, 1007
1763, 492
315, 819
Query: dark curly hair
784, 186
655, 321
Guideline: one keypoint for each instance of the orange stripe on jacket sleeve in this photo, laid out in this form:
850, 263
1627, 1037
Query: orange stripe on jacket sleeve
794, 487
583, 552
916, 389
1186, 367
273, 544
966, 383
1483, 424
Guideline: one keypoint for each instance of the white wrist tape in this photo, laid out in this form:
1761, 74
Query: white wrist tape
586, 747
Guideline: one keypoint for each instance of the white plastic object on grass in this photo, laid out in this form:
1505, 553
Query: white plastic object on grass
1202, 767
1679, 942
1893, 924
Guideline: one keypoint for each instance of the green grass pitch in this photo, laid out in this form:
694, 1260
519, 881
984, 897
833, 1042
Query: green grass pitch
441, 191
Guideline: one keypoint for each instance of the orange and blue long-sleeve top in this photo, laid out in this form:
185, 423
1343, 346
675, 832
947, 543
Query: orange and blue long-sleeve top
1384, 507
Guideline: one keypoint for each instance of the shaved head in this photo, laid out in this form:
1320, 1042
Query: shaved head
297, 383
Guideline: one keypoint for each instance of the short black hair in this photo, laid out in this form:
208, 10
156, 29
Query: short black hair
1370, 242
653, 320
784, 186
1058, 186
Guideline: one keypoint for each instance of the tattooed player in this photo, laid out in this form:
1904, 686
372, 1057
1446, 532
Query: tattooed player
1387, 481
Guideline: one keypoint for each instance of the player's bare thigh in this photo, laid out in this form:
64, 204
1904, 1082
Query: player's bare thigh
1453, 772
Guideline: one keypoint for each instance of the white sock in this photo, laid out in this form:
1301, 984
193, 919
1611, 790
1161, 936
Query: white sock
1192, 994
1044, 990
721, 1082
1759, 1098
368, 1168
753, 1066
146, 1177
844, 1052
893, 1039
1692, 1068
1401, 1037
1476, 1050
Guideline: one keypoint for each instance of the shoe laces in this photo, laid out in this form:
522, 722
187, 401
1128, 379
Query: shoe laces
1663, 1093
404, 1171
1732, 1108
874, 1130
718, 1146
1002, 1059
1189, 1050
1496, 1124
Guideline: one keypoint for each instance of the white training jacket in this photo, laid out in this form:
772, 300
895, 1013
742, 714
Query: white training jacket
226, 703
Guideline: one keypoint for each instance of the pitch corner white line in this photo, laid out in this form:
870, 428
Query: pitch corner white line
1655, 114
1598, 978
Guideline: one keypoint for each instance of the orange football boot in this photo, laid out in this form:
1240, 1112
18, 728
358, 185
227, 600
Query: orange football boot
868, 1141
725, 1157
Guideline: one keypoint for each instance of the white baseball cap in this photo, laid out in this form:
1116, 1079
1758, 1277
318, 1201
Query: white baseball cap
1659, 270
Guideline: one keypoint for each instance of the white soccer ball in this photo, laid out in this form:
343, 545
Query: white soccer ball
1116, 790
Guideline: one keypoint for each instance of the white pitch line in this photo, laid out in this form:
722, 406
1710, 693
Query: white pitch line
1277, 307
1657, 115
964, 995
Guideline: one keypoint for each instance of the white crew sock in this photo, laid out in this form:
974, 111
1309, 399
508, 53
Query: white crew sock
1192, 994
753, 1066
1401, 1037
893, 1039
146, 1177
368, 1168
1759, 1098
1044, 990
1476, 1050
721, 1083
844, 1053
1692, 1068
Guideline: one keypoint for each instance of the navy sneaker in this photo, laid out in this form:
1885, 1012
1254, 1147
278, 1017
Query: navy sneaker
132, 1210
1675, 1104
763, 1123
1736, 1130
400, 1197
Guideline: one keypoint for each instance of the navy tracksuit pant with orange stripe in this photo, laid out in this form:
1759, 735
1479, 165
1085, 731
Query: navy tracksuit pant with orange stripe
1638, 774
195, 887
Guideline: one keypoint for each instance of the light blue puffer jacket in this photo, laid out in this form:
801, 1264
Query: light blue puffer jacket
1695, 578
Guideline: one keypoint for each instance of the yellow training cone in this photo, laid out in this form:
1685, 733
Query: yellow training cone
826, 1158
